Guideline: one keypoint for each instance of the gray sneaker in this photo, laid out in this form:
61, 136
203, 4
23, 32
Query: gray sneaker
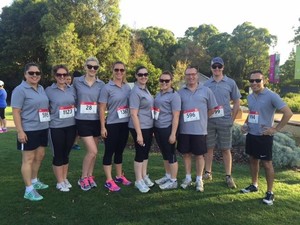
147, 181
207, 176
199, 186
230, 182
162, 180
186, 183
141, 186
169, 185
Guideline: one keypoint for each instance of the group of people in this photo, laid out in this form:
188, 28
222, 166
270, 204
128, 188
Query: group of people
198, 118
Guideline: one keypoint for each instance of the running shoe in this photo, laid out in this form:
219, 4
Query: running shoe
250, 188
67, 183
199, 186
39, 185
230, 182
62, 187
186, 183
122, 179
84, 184
269, 199
169, 185
147, 181
141, 186
207, 176
162, 180
92, 182
33, 195
112, 186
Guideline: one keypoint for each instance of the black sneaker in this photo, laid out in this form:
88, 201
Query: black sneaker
250, 188
269, 199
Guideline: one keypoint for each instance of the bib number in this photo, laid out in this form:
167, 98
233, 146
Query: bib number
44, 115
155, 113
253, 117
66, 112
88, 107
123, 112
219, 112
191, 115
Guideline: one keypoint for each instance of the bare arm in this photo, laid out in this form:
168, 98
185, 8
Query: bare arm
137, 127
175, 121
22, 137
235, 108
102, 109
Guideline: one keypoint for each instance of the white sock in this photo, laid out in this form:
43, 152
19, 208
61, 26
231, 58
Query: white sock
168, 175
29, 188
173, 180
34, 180
188, 176
198, 178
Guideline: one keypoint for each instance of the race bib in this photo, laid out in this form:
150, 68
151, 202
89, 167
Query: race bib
191, 115
44, 115
123, 112
219, 112
88, 107
155, 113
253, 117
66, 112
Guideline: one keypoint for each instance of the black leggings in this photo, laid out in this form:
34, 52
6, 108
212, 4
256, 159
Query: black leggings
62, 140
142, 152
115, 142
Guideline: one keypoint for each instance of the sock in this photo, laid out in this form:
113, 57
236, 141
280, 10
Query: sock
34, 180
168, 175
188, 176
198, 178
174, 180
29, 189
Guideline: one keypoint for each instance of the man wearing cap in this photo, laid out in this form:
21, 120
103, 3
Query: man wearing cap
221, 121
3, 105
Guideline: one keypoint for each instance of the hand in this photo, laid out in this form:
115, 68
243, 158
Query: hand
140, 140
22, 137
269, 131
172, 139
103, 133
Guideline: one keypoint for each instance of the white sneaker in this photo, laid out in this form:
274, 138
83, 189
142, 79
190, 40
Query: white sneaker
62, 187
168, 185
199, 186
186, 183
67, 183
147, 181
162, 180
141, 186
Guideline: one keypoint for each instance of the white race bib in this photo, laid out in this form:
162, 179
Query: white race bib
123, 112
219, 112
66, 112
253, 117
44, 115
88, 107
191, 115
155, 113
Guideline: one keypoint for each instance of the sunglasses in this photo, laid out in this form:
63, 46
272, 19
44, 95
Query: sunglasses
121, 70
142, 74
90, 67
217, 66
61, 74
256, 80
31, 73
164, 81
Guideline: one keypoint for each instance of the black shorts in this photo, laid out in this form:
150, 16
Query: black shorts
259, 147
2, 113
195, 144
88, 128
35, 139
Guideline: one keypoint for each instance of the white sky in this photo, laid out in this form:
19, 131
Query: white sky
280, 17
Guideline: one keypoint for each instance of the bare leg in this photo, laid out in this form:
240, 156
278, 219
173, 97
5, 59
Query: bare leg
254, 169
26, 169
227, 159
90, 157
269, 170
187, 159
138, 168
209, 159
199, 165
107, 170
38, 158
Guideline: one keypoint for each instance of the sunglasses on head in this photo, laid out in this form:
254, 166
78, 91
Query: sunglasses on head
90, 67
142, 74
256, 80
215, 66
117, 70
31, 73
61, 74
164, 81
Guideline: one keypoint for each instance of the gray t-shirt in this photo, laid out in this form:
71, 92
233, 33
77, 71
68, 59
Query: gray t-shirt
87, 98
194, 109
225, 90
262, 108
142, 100
117, 100
62, 106
33, 103
165, 104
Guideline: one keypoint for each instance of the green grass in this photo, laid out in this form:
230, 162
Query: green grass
217, 205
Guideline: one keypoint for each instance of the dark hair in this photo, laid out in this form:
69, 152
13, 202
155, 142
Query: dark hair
256, 71
139, 68
191, 67
57, 67
118, 62
28, 65
76, 73
167, 72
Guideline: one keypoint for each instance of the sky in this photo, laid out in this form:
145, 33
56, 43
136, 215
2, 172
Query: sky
279, 17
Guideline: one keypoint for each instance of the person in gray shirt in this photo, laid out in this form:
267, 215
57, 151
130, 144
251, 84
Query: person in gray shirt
30, 107
260, 129
167, 106
88, 88
141, 128
114, 128
63, 131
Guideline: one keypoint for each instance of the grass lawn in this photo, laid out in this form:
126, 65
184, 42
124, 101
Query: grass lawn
217, 205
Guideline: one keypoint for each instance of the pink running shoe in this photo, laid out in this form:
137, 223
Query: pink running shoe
123, 180
111, 186
92, 182
84, 184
